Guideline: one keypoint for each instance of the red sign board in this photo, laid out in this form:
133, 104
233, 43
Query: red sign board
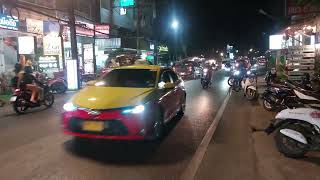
293, 8
105, 29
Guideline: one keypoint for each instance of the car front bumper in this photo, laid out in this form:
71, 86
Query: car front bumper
116, 126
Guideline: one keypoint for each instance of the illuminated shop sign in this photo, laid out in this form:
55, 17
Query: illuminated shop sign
163, 48
126, 3
8, 22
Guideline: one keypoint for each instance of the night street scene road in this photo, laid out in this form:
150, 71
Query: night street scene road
159, 90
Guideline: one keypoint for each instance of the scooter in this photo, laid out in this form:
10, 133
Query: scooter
249, 86
297, 131
205, 80
21, 100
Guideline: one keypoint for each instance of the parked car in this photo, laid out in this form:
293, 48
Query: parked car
129, 103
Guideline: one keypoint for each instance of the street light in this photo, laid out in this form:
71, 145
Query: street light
175, 24
251, 50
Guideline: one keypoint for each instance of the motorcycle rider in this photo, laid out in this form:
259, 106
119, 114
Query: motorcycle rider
30, 83
209, 73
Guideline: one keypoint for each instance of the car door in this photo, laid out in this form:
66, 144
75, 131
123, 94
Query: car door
177, 91
167, 98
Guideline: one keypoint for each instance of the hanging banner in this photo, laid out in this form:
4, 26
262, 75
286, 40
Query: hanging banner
105, 29
83, 28
26, 44
34, 26
51, 27
51, 45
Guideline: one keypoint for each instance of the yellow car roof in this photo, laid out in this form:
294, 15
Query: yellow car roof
141, 66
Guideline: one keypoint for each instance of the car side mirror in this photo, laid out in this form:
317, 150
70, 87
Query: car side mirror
163, 85
91, 83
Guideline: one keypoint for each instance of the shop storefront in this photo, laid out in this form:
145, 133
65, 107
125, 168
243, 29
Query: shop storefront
295, 49
85, 43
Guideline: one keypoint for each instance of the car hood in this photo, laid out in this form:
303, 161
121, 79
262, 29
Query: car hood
93, 97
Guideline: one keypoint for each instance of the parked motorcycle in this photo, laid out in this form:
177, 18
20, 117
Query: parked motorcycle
21, 100
279, 97
271, 76
57, 84
205, 79
297, 131
249, 86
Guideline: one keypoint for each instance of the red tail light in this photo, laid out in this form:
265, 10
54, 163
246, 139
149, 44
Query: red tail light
190, 68
17, 91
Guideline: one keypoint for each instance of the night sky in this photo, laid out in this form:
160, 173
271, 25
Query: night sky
211, 24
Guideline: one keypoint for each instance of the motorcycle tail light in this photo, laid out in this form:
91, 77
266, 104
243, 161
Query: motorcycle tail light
190, 69
17, 90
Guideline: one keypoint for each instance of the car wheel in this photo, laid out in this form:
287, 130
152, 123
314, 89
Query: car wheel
159, 126
183, 106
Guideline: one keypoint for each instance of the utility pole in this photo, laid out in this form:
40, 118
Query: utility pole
94, 40
73, 38
138, 24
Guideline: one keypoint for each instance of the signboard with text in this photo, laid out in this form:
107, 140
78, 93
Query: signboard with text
7, 22
34, 26
126, 3
105, 29
295, 8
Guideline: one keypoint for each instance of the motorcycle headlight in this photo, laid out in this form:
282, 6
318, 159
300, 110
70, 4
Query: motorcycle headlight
135, 110
236, 73
205, 70
69, 107
248, 72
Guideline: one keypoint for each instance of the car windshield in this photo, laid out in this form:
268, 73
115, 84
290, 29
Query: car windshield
134, 78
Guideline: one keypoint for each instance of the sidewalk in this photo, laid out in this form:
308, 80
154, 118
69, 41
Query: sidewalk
240, 150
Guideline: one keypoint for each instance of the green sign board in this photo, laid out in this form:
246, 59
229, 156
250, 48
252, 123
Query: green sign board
163, 48
126, 3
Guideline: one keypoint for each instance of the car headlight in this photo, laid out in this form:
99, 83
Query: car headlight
135, 110
236, 73
69, 107
248, 72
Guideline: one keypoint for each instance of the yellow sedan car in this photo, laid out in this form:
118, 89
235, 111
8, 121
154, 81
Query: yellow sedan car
129, 103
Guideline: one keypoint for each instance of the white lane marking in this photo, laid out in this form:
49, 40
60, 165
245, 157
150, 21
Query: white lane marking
192, 168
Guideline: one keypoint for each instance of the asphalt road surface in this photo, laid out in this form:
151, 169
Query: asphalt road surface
32, 146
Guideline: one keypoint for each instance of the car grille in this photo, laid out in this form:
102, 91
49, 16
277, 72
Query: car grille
115, 127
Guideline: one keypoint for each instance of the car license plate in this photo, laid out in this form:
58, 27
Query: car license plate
13, 98
93, 126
